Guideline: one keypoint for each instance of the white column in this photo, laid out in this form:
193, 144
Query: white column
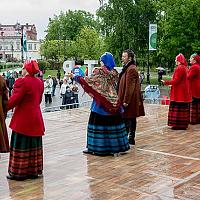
68, 65
90, 64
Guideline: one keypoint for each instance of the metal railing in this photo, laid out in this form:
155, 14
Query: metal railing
67, 106
158, 101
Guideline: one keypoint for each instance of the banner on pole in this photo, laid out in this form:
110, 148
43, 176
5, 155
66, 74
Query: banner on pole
24, 43
152, 36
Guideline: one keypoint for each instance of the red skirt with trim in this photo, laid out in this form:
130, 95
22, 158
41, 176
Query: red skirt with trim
179, 115
26, 155
195, 111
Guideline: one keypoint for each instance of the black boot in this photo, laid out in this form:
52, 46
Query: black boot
131, 138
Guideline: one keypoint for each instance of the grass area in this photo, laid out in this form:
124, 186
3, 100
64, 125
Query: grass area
154, 80
52, 73
153, 76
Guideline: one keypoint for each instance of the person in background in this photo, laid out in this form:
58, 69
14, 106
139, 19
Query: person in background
58, 75
106, 132
8, 73
142, 77
63, 91
194, 83
54, 85
40, 75
60, 82
26, 151
50, 80
10, 83
69, 98
160, 75
129, 93
180, 98
4, 144
75, 94
47, 91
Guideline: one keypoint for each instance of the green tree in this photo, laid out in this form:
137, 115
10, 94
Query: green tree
69, 24
89, 45
179, 28
50, 49
65, 36
125, 25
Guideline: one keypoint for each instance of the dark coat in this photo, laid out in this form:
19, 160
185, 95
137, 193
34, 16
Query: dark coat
129, 92
26, 98
4, 144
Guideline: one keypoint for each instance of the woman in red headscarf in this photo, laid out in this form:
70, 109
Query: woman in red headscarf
194, 83
26, 153
180, 98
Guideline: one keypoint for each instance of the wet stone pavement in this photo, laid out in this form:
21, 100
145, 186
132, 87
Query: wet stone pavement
163, 165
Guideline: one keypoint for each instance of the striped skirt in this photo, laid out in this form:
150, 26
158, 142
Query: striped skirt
179, 115
106, 134
26, 155
195, 111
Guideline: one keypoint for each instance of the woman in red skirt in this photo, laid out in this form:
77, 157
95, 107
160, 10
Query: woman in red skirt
26, 153
180, 98
194, 83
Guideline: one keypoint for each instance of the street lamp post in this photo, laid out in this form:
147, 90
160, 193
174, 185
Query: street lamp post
22, 43
20, 29
148, 69
12, 49
3, 47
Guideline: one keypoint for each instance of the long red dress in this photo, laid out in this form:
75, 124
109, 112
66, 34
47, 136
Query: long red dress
179, 114
194, 83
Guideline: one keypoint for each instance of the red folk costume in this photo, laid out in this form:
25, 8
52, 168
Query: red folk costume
194, 83
4, 144
27, 125
178, 116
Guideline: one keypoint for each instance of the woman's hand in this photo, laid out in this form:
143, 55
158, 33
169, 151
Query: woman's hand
163, 81
125, 104
70, 75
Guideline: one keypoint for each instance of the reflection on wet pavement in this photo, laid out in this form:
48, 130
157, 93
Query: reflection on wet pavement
164, 164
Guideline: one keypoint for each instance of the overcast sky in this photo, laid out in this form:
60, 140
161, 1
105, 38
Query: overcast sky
38, 11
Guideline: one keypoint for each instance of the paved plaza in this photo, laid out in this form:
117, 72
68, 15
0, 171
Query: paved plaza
164, 164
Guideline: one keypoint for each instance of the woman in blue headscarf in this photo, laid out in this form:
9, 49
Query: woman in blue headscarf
106, 132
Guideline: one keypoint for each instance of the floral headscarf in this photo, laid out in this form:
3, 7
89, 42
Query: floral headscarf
101, 85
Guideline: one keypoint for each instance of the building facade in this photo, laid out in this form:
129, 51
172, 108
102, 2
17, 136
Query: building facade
12, 40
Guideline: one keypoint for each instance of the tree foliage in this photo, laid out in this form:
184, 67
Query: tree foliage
73, 34
179, 28
69, 24
89, 44
125, 24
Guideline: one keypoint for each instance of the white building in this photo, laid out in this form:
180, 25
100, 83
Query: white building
11, 42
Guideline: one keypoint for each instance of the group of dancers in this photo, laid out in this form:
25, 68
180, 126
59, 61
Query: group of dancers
117, 102
184, 108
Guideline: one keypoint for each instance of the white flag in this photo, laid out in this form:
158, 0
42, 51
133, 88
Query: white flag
152, 36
